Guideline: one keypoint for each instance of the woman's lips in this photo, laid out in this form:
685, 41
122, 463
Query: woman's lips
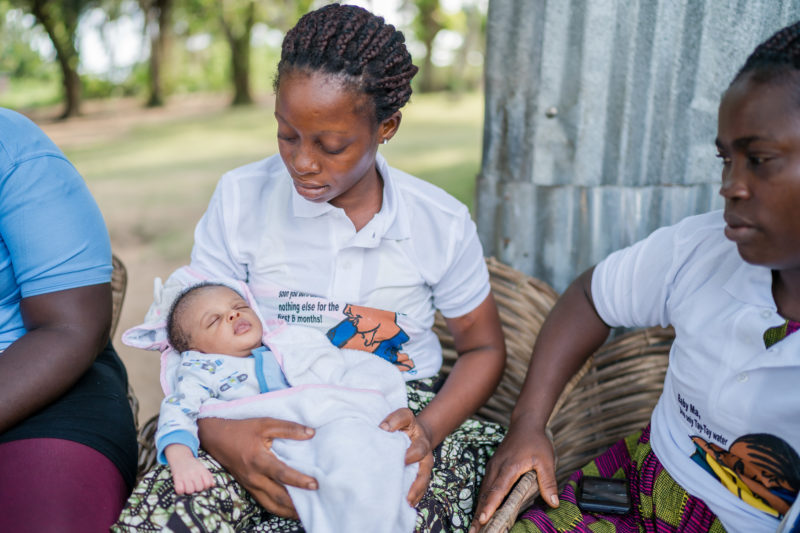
309, 190
738, 229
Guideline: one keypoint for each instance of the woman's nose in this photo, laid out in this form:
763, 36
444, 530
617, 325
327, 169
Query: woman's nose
734, 183
304, 162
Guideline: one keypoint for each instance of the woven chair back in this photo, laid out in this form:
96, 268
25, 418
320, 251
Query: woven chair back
523, 303
119, 284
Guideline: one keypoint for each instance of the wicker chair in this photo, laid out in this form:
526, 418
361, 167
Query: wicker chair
523, 303
614, 396
119, 284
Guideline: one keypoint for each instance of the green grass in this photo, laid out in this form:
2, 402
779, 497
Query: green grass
153, 181
26, 94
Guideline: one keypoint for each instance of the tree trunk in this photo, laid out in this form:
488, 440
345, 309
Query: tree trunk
459, 79
426, 83
428, 25
240, 63
156, 97
157, 16
72, 87
62, 38
239, 42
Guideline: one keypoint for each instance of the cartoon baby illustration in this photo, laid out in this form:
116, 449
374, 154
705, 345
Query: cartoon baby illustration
372, 330
761, 469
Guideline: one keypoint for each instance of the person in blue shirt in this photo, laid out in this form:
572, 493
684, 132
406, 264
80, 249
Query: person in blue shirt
67, 435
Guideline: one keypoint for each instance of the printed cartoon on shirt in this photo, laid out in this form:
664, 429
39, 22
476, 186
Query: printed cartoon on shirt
386, 334
372, 330
761, 469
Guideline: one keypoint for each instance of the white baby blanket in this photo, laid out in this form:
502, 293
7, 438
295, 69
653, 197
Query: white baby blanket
343, 394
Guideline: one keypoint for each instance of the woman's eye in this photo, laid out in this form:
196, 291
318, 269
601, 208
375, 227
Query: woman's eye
755, 161
724, 159
285, 138
332, 151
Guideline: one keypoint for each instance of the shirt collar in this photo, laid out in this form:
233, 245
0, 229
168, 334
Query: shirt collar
751, 284
393, 219
391, 222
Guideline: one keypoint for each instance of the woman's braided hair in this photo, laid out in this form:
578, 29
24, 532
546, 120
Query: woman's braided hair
352, 42
776, 57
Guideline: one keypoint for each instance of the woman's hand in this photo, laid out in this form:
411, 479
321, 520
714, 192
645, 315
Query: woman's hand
243, 447
524, 449
419, 451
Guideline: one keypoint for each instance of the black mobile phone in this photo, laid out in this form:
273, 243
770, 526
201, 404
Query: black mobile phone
603, 495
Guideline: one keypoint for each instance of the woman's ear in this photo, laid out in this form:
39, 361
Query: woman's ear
388, 127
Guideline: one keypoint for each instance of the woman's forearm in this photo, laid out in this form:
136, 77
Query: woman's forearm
479, 342
470, 384
569, 336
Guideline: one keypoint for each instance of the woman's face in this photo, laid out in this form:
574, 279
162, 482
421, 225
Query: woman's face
327, 138
759, 143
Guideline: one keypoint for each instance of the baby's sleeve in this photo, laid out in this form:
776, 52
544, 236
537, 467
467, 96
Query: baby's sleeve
177, 418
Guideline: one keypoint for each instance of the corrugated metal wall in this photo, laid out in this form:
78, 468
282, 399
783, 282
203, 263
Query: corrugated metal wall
600, 121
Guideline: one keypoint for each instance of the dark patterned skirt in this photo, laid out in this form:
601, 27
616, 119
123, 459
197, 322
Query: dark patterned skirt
459, 466
658, 503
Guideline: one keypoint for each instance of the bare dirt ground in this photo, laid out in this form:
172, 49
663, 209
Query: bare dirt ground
99, 121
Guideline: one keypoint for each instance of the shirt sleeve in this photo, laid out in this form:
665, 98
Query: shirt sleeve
465, 282
214, 252
631, 287
53, 230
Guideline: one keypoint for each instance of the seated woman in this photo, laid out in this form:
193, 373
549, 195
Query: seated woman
67, 435
721, 450
328, 235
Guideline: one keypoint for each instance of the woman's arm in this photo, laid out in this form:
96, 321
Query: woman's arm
570, 334
474, 377
477, 371
65, 332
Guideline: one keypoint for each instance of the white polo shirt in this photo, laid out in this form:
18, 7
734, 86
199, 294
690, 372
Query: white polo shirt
722, 384
376, 289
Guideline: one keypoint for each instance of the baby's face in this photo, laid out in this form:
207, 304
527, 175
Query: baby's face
218, 320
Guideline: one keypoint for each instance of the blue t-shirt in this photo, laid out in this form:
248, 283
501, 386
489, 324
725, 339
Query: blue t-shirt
52, 234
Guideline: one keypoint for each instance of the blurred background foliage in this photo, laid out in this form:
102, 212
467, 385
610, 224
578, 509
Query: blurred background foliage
68, 51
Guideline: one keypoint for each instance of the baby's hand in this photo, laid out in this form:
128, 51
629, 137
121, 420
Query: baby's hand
188, 473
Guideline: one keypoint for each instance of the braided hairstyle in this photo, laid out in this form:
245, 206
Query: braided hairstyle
349, 41
776, 58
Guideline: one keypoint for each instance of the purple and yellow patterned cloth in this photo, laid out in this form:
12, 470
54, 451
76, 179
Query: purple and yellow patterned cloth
658, 503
